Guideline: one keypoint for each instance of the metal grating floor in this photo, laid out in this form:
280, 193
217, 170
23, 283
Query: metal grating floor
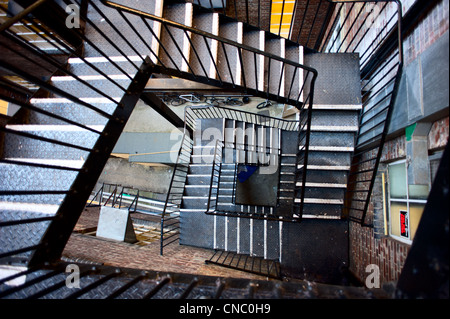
104, 282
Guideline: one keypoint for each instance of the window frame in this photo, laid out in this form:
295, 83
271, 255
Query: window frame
406, 201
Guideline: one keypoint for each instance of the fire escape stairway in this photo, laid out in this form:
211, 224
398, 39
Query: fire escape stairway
51, 159
51, 162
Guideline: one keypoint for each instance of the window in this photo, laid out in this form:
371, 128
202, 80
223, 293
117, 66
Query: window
406, 203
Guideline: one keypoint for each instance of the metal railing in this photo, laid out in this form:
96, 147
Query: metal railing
302, 98
170, 220
170, 217
214, 184
372, 29
226, 78
26, 60
380, 48
114, 35
124, 198
307, 20
249, 155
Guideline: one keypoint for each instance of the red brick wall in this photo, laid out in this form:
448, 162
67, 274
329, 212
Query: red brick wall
438, 136
253, 7
367, 247
388, 254
429, 29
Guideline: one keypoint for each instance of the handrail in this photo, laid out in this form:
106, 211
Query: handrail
250, 117
206, 34
174, 221
54, 231
192, 113
188, 31
399, 17
21, 15
372, 60
215, 173
305, 112
381, 62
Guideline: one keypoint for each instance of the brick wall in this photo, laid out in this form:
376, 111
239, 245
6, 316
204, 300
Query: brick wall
429, 29
438, 136
370, 245
253, 7
365, 249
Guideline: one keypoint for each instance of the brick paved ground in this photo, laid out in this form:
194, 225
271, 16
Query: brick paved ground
176, 258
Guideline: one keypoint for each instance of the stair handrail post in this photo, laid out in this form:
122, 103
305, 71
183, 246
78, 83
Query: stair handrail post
216, 147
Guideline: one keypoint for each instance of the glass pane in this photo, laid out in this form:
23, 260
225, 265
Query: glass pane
415, 213
418, 191
397, 180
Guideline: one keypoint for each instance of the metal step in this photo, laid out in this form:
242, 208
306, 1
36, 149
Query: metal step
260, 238
71, 111
273, 69
294, 78
228, 60
110, 65
327, 119
29, 150
195, 202
324, 192
72, 86
329, 159
244, 262
201, 169
203, 55
196, 190
340, 139
175, 41
29, 178
254, 78
197, 179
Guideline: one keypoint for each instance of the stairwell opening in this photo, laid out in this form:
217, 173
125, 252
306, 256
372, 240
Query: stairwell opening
255, 187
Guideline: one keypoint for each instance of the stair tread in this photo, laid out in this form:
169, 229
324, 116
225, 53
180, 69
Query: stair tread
32, 209
29, 178
320, 201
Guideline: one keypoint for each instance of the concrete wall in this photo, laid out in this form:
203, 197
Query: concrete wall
423, 93
144, 127
150, 178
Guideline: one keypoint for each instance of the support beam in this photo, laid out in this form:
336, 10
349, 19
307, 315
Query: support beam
170, 84
159, 106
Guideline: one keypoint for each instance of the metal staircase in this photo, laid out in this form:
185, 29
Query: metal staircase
66, 136
223, 141
52, 156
